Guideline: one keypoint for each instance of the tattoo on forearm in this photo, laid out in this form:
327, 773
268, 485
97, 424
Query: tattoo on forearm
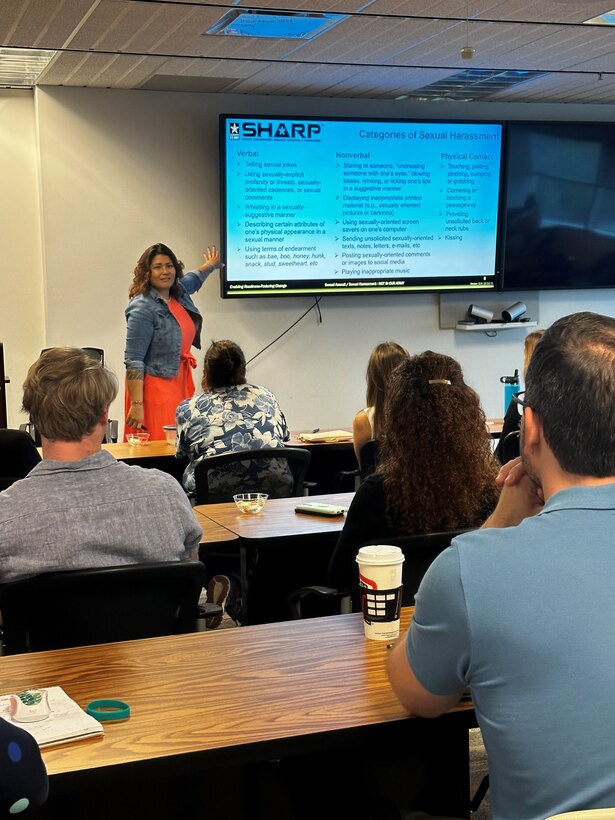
134, 375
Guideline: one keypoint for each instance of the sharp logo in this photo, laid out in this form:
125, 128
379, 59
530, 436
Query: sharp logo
290, 130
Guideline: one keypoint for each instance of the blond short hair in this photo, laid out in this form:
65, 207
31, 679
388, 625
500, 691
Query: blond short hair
66, 393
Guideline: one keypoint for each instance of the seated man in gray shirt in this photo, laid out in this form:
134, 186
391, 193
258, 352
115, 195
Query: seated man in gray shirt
80, 507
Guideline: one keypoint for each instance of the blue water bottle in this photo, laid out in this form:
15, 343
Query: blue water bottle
511, 386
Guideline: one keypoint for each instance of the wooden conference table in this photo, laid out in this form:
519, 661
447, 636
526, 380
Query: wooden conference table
238, 696
279, 549
328, 458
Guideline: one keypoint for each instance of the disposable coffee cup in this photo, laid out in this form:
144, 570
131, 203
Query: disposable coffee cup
380, 568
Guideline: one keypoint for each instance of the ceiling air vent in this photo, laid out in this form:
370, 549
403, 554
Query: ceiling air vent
473, 84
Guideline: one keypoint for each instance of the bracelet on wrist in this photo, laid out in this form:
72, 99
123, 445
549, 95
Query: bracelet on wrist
136, 402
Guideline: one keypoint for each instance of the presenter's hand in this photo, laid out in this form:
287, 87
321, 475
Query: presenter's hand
212, 257
135, 416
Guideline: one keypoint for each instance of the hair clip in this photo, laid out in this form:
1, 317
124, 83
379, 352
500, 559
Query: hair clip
439, 381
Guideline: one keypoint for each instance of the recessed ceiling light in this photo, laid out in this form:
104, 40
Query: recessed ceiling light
21, 67
293, 25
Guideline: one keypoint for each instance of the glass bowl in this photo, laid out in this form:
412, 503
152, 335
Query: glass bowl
170, 432
137, 438
250, 502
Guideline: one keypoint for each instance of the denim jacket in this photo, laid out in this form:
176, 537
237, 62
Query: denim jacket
153, 337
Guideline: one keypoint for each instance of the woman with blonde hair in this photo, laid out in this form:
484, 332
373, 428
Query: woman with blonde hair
512, 419
367, 423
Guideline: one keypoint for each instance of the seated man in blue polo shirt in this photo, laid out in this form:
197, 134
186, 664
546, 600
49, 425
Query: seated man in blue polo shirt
522, 611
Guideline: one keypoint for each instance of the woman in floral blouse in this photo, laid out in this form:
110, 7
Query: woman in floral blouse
232, 415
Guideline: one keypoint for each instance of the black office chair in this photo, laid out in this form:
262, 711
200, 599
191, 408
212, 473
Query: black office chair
419, 552
242, 471
18, 455
96, 353
510, 446
57, 610
346, 480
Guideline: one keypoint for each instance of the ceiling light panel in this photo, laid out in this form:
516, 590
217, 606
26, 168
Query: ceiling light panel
21, 67
287, 25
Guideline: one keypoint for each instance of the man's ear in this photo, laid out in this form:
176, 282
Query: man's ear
532, 431
105, 418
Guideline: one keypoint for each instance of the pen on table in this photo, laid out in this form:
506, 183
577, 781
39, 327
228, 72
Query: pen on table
316, 430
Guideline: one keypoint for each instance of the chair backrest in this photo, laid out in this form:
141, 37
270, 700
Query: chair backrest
18, 455
368, 458
510, 446
419, 552
57, 610
96, 353
278, 471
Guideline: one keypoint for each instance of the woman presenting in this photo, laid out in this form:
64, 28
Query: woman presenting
162, 325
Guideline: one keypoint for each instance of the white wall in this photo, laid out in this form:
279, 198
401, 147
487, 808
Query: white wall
123, 169
22, 320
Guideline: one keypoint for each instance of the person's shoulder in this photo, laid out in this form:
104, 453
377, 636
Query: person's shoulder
259, 390
140, 303
361, 417
485, 540
151, 476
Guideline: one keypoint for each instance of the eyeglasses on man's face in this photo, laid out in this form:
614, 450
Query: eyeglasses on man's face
519, 400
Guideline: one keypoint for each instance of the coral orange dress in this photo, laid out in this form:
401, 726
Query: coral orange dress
162, 395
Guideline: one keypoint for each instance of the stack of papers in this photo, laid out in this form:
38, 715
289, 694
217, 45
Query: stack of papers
66, 722
326, 435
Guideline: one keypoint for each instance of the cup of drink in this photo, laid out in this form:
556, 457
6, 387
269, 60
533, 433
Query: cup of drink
380, 567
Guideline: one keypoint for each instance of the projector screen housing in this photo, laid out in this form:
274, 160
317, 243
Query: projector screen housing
336, 205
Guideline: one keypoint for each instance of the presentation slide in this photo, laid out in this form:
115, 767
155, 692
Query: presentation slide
334, 206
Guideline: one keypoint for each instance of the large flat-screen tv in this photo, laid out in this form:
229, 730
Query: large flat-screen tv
314, 205
560, 206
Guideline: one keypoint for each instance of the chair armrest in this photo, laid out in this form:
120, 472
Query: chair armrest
342, 477
296, 598
207, 610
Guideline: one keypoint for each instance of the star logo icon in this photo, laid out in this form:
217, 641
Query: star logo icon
234, 130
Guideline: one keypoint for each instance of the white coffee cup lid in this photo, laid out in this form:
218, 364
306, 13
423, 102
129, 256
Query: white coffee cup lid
380, 554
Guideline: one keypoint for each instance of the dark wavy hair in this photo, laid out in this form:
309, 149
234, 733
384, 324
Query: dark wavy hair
570, 384
224, 365
436, 458
140, 281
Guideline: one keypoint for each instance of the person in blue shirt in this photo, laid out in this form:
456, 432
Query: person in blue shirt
522, 610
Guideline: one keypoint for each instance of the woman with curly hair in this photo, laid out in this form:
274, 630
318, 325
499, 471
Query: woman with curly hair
436, 468
162, 325
367, 424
